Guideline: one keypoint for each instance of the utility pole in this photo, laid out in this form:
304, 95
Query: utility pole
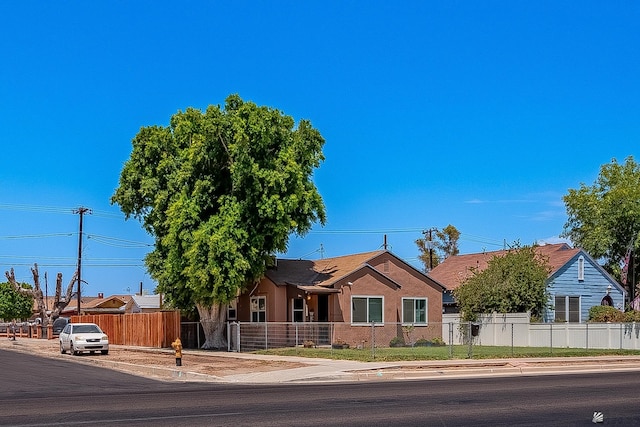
80, 211
46, 293
430, 250
429, 245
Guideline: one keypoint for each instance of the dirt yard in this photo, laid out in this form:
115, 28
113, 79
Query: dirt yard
133, 360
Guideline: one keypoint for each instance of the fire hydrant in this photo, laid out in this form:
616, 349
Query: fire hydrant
177, 346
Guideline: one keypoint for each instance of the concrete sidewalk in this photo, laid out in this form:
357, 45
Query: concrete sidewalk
344, 370
330, 370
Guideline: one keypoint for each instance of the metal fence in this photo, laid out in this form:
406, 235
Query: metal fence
247, 336
455, 338
252, 336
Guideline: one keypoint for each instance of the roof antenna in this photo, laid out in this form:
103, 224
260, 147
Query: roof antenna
321, 251
384, 245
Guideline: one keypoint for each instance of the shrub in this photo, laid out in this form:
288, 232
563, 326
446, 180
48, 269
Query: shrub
437, 341
632, 316
605, 313
422, 342
396, 342
434, 342
339, 344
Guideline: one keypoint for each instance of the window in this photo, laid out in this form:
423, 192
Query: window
232, 310
414, 310
581, 268
567, 308
298, 310
258, 309
574, 309
366, 309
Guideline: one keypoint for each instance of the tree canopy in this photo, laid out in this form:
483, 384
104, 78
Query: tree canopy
221, 191
438, 245
604, 218
512, 283
13, 304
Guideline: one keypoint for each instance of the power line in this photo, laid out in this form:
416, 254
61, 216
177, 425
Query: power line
117, 242
37, 236
54, 258
56, 210
380, 231
85, 264
34, 208
106, 240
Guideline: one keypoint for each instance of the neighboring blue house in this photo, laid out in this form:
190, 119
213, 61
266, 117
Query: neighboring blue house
579, 284
576, 282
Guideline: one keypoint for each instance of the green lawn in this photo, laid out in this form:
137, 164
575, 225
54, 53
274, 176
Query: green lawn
441, 353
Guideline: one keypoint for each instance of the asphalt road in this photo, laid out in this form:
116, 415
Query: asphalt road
37, 391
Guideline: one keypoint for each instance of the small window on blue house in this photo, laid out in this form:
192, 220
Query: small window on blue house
581, 268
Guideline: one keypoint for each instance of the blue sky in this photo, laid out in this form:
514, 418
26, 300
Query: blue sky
477, 114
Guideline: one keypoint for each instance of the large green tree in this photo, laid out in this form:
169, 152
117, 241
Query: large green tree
13, 304
221, 191
604, 218
514, 282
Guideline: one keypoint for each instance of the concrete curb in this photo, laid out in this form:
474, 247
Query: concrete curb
329, 370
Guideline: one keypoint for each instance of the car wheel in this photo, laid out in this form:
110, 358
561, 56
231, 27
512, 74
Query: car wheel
104, 351
73, 350
62, 350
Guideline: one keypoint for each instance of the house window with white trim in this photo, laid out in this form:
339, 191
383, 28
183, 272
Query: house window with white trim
258, 309
367, 309
414, 310
581, 268
567, 308
232, 310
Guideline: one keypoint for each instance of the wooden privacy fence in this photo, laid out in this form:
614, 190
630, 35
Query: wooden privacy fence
157, 329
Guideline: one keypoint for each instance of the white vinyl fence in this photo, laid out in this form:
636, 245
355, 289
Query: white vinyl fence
517, 331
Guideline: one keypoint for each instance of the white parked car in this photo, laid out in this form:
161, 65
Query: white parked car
78, 337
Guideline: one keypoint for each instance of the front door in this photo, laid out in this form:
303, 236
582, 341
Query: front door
323, 308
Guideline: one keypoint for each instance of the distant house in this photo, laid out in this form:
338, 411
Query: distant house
356, 289
576, 282
144, 304
113, 304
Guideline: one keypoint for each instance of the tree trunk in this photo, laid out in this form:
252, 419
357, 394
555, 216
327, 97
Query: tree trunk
36, 294
213, 322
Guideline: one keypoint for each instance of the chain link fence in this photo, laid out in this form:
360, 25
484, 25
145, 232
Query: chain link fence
452, 339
